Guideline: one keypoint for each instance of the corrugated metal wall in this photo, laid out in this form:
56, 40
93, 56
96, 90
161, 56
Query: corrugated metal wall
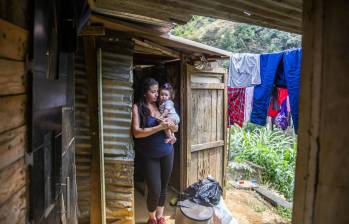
117, 103
115, 65
117, 80
83, 139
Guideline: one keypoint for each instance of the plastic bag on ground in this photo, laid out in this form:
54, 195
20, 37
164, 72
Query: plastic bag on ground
205, 192
222, 215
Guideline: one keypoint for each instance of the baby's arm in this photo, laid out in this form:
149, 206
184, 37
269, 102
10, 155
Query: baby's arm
165, 113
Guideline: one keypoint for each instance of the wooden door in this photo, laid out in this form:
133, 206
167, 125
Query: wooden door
203, 125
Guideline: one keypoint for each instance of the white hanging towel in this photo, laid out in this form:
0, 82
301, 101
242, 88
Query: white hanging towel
244, 70
248, 103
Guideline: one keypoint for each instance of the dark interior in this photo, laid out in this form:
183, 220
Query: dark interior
150, 66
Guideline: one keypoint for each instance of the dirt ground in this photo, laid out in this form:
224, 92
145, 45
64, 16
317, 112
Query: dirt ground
246, 206
249, 208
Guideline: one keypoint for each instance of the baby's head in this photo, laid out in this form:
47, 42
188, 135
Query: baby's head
166, 92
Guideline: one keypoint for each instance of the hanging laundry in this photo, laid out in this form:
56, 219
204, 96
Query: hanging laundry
280, 69
244, 70
292, 69
281, 96
281, 119
248, 103
236, 106
261, 96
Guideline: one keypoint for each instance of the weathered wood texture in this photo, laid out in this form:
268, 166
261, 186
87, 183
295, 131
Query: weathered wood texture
13, 41
12, 111
97, 187
13, 178
322, 184
14, 211
13, 114
13, 146
207, 126
12, 77
185, 133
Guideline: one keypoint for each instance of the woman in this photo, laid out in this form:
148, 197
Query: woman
157, 156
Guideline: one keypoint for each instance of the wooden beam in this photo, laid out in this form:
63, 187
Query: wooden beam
133, 17
94, 30
207, 85
101, 135
273, 198
208, 145
13, 41
322, 184
115, 24
96, 210
185, 153
154, 46
225, 125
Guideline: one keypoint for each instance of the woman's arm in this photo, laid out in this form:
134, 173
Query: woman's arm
139, 132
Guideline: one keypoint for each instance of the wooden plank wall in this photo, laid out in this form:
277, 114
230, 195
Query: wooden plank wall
13, 123
322, 184
207, 126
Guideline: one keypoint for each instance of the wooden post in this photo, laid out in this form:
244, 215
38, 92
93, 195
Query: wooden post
97, 206
185, 128
225, 124
322, 186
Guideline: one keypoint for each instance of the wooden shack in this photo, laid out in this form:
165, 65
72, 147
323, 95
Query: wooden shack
121, 58
42, 69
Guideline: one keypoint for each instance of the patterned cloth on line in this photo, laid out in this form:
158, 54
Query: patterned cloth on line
236, 106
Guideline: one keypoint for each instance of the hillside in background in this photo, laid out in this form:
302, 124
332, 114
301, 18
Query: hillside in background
236, 37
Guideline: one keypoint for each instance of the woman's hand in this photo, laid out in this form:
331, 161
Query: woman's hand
173, 126
164, 124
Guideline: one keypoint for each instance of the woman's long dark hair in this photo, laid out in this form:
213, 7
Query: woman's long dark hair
143, 110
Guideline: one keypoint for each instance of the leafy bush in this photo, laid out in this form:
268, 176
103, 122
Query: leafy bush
274, 150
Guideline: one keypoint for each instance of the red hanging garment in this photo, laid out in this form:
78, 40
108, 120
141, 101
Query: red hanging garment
282, 96
236, 106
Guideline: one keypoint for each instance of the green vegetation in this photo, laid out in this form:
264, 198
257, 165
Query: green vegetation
236, 37
285, 213
274, 150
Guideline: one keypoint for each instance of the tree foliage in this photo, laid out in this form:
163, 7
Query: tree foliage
236, 37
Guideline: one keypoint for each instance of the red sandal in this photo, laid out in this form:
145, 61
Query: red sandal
161, 220
152, 221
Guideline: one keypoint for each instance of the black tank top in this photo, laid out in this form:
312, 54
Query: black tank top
153, 145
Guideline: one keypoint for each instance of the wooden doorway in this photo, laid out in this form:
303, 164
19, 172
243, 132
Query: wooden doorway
204, 151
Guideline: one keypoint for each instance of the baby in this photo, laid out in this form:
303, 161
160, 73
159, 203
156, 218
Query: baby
167, 109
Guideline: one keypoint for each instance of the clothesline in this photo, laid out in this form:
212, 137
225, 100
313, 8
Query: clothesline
252, 80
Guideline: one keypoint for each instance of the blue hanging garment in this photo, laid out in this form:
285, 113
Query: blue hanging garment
262, 93
292, 69
281, 70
